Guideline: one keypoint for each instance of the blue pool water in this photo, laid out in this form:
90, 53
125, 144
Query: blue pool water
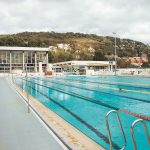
84, 101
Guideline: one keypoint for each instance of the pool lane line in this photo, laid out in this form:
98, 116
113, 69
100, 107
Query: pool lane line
76, 95
92, 128
134, 91
122, 110
137, 99
126, 86
107, 83
127, 83
123, 83
96, 102
100, 86
99, 134
107, 87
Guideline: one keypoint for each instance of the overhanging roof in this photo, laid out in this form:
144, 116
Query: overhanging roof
8, 48
85, 63
98, 64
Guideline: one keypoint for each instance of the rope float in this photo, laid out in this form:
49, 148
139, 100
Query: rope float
135, 114
121, 110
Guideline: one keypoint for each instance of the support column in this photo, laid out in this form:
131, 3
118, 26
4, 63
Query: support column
23, 61
10, 63
40, 67
35, 57
108, 68
111, 67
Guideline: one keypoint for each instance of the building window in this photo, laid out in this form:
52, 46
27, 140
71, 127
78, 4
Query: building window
29, 57
41, 57
4, 57
17, 57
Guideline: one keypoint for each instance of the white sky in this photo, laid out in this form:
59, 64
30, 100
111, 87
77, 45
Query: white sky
128, 18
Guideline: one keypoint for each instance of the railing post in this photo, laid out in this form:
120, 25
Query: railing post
12, 77
28, 102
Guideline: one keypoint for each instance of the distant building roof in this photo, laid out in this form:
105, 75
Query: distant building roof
13, 48
137, 60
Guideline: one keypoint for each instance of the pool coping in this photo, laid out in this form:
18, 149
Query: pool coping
71, 136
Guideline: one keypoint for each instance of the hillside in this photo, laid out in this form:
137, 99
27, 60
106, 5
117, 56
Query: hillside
83, 44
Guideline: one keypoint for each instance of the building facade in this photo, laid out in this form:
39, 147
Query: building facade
22, 58
83, 67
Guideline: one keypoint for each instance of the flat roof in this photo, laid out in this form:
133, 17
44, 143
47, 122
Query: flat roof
85, 63
14, 48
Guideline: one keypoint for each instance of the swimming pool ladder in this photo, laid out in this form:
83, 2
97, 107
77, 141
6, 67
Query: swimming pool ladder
120, 126
132, 131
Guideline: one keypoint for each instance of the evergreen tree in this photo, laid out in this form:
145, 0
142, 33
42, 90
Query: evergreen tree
99, 56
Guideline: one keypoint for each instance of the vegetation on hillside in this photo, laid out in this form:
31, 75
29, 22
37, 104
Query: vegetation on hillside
81, 46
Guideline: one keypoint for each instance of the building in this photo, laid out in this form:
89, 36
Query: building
21, 58
83, 67
138, 61
64, 46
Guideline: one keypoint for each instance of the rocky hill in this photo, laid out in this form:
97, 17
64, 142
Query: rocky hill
77, 45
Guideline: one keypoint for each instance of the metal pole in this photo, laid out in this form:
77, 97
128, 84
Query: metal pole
23, 61
115, 55
12, 78
27, 90
10, 62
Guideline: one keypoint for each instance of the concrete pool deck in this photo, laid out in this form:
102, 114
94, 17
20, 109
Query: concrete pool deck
20, 130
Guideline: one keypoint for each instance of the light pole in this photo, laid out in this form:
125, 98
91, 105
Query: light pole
114, 33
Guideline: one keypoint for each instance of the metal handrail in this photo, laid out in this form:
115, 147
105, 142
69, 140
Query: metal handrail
132, 131
27, 88
12, 77
121, 128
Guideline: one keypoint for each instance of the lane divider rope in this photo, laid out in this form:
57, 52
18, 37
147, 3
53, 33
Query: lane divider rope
96, 102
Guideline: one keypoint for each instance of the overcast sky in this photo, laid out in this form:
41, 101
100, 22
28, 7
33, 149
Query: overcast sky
128, 18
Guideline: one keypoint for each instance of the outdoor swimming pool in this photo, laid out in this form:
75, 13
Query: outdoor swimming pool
84, 101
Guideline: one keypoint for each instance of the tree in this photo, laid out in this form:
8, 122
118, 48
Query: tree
124, 63
99, 56
62, 55
50, 57
85, 54
145, 65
